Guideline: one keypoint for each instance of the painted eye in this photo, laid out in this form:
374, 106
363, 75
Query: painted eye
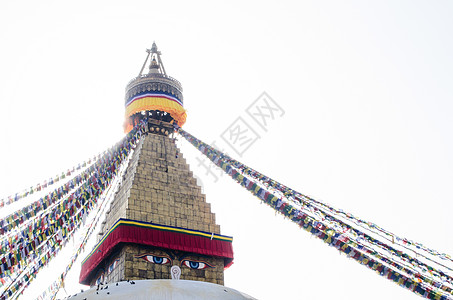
100, 279
113, 265
159, 260
197, 265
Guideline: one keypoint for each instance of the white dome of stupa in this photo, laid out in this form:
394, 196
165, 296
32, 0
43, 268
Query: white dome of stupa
162, 289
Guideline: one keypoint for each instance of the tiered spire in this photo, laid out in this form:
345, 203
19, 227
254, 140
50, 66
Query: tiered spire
159, 225
156, 66
154, 95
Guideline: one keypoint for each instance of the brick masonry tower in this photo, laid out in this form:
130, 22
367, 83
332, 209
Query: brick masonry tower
159, 225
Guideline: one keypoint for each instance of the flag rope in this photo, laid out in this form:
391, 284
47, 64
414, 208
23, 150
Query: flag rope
300, 210
68, 220
38, 187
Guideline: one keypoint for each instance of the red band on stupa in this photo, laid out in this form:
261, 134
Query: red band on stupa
150, 234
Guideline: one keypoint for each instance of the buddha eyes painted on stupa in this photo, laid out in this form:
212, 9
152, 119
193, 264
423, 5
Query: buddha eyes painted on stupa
113, 265
188, 260
197, 265
156, 259
99, 277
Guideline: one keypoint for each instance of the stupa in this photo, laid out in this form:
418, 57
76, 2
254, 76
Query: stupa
159, 235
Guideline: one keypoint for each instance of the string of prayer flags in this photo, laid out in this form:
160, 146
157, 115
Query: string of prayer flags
44, 184
403, 270
34, 248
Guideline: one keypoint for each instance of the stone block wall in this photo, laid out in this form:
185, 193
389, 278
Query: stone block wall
164, 190
159, 187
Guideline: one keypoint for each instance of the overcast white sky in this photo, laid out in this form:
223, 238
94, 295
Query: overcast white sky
366, 87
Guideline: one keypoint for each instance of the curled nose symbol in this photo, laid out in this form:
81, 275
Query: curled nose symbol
175, 272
